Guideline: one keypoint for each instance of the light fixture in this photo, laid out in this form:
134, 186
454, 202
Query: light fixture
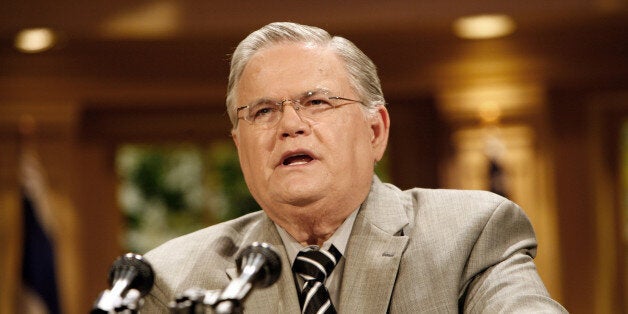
489, 112
484, 26
32, 40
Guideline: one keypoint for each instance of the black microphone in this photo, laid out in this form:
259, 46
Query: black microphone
131, 277
259, 266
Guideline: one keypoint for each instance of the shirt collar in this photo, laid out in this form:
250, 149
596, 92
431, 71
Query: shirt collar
339, 239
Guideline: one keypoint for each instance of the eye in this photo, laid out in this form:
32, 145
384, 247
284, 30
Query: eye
262, 110
317, 102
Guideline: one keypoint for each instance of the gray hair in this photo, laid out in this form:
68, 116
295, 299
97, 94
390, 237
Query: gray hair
362, 71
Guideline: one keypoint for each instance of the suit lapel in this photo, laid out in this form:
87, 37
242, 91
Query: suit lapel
280, 297
373, 255
374, 252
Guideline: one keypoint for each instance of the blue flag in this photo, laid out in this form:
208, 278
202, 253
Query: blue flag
39, 280
38, 262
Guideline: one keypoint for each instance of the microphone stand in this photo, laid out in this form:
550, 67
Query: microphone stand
109, 302
194, 301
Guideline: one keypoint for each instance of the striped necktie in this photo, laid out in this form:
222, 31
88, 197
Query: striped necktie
314, 266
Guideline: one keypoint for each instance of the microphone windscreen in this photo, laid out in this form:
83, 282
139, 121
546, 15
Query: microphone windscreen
134, 268
271, 268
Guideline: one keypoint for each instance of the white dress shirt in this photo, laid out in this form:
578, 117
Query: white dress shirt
339, 239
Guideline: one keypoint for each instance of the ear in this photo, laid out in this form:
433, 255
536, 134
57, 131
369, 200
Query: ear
380, 127
234, 136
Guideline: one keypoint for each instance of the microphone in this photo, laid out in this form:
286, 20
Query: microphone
131, 277
259, 266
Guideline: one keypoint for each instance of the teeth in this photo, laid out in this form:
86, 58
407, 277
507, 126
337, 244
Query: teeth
297, 160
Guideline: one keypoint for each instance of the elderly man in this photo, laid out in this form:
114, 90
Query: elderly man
310, 123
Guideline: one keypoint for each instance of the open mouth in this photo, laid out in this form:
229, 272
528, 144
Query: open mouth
295, 160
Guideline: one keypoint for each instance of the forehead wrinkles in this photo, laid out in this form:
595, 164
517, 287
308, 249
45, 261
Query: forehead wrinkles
285, 69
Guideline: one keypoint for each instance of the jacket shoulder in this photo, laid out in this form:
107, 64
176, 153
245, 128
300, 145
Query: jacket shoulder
206, 250
222, 238
455, 206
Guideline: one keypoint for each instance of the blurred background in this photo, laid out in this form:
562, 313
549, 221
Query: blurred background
114, 136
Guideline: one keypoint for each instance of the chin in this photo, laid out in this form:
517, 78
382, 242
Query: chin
299, 197
303, 199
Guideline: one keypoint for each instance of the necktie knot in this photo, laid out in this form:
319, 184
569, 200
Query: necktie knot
316, 264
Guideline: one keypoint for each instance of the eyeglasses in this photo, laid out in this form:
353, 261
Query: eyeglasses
312, 105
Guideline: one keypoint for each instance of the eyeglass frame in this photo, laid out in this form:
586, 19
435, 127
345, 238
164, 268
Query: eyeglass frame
296, 104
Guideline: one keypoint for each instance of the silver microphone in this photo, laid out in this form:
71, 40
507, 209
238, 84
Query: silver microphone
131, 277
259, 266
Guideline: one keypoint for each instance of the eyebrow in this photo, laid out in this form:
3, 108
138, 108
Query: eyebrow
315, 91
306, 93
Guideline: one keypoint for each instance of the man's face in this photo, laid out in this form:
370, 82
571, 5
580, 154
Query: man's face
299, 166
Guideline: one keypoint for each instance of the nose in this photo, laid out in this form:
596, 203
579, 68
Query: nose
291, 124
296, 106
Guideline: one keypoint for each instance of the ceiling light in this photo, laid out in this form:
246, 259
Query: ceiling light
489, 112
32, 40
157, 19
484, 26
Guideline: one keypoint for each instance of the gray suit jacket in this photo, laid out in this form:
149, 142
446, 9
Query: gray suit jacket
420, 250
